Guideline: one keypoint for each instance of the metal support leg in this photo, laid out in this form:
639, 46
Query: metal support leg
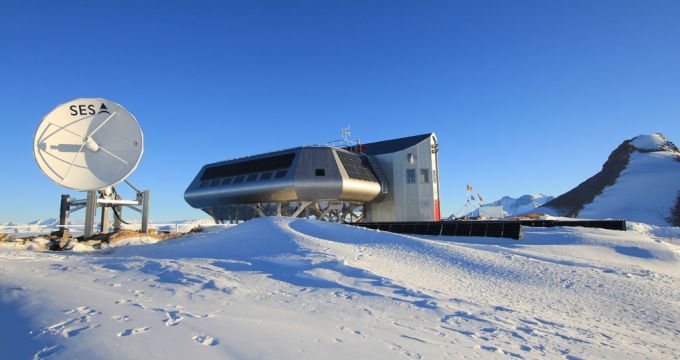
146, 201
63, 216
303, 206
278, 209
117, 224
106, 218
259, 210
90, 210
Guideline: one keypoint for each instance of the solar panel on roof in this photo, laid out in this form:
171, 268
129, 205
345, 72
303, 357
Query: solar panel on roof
357, 167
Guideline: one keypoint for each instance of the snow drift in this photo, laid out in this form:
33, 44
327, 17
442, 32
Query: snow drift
292, 288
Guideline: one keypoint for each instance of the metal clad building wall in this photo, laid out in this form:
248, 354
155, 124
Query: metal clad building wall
408, 201
308, 185
302, 174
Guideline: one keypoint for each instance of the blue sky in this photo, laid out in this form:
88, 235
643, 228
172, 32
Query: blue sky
525, 96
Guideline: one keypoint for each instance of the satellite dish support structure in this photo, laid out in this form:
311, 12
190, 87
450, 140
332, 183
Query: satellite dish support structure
107, 202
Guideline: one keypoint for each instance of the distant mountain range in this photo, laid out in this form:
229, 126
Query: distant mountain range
513, 206
640, 181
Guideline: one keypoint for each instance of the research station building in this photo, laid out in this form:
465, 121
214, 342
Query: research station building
391, 180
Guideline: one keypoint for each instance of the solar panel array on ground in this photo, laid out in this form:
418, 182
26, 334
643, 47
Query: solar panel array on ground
506, 229
601, 224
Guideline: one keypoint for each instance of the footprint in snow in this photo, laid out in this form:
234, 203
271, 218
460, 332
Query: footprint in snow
47, 352
129, 332
121, 318
173, 318
69, 328
83, 310
205, 340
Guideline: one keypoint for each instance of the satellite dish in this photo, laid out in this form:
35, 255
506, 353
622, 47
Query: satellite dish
88, 144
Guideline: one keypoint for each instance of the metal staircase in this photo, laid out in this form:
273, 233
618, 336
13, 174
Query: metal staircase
377, 171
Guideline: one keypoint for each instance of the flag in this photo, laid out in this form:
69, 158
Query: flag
469, 188
472, 197
480, 198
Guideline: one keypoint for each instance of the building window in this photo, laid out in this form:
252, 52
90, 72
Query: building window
251, 178
226, 181
410, 176
410, 158
266, 176
320, 172
424, 176
214, 182
238, 179
280, 174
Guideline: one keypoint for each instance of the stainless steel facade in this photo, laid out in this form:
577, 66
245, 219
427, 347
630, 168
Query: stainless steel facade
304, 174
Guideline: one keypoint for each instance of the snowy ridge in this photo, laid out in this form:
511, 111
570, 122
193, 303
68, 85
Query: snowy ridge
639, 182
289, 288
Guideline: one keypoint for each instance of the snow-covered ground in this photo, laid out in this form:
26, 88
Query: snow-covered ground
292, 288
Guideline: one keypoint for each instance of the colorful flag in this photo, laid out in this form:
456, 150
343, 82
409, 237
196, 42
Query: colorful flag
469, 188
480, 198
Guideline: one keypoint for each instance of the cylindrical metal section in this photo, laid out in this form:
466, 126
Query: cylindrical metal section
146, 201
90, 210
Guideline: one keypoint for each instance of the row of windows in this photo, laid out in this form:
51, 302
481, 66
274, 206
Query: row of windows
253, 177
244, 178
267, 164
411, 176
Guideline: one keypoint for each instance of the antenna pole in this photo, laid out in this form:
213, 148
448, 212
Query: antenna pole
146, 201
467, 202
90, 210
63, 216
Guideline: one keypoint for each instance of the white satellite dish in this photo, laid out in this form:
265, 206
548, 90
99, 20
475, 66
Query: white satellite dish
91, 145
88, 144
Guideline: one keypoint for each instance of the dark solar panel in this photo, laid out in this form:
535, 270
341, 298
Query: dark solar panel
357, 167
271, 163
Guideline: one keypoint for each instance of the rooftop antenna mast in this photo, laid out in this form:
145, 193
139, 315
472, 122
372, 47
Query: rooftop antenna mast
345, 134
